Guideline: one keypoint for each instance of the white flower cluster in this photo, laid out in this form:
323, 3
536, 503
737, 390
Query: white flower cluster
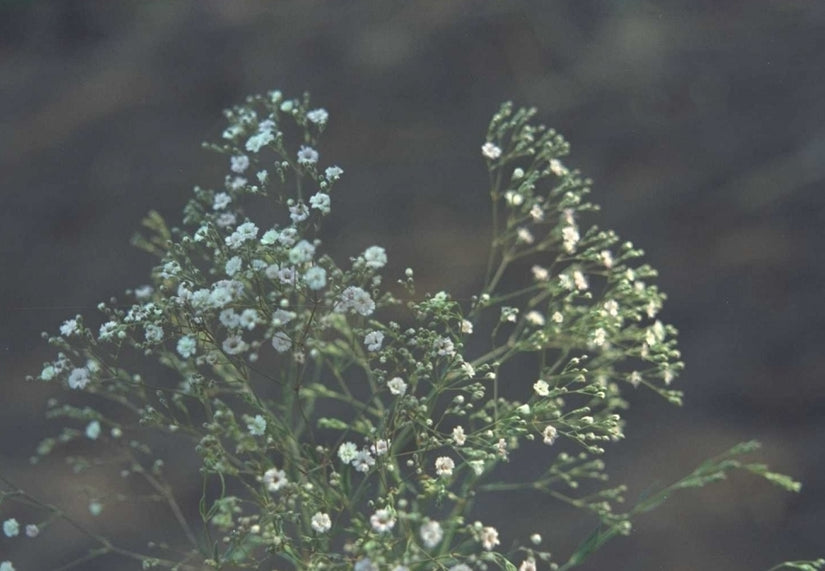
355, 299
282, 352
362, 460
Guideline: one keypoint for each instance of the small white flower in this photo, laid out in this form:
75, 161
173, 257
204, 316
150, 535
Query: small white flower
525, 236
248, 319
257, 426
557, 317
541, 387
229, 318
239, 163
489, 538
186, 346
373, 340
269, 237
491, 151
298, 212
513, 198
535, 538
79, 378
444, 346
557, 168
301, 252
607, 258
315, 278
549, 434
509, 314
32, 530
466, 327
234, 345
356, 299
444, 466
397, 386
275, 479
468, 369
203, 298
244, 233
48, 373
579, 280
318, 116
288, 236
10, 527
233, 265
431, 533
347, 452
667, 375
599, 337
657, 332
535, 318
282, 317
69, 327
320, 201
153, 333
528, 564
285, 275
107, 331
93, 430
281, 342
257, 141
236, 183
232, 131
307, 156
635, 378
363, 461
458, 436
224, 220
382, 520
570, 237
540, 274
170, 269
333, 173
536, 213
375, 257
321, 522
143, 293
611, 307
380, 447
501, 447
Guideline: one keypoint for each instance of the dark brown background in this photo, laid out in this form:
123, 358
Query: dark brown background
701, 122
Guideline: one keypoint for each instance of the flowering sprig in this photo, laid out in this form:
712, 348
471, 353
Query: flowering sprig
347, 428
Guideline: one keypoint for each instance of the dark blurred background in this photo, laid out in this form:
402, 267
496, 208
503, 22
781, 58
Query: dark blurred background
702, 124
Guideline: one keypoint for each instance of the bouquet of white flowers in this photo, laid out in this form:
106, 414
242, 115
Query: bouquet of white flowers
345, 423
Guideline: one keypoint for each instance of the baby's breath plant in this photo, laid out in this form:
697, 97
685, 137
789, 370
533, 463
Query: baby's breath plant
343, 422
